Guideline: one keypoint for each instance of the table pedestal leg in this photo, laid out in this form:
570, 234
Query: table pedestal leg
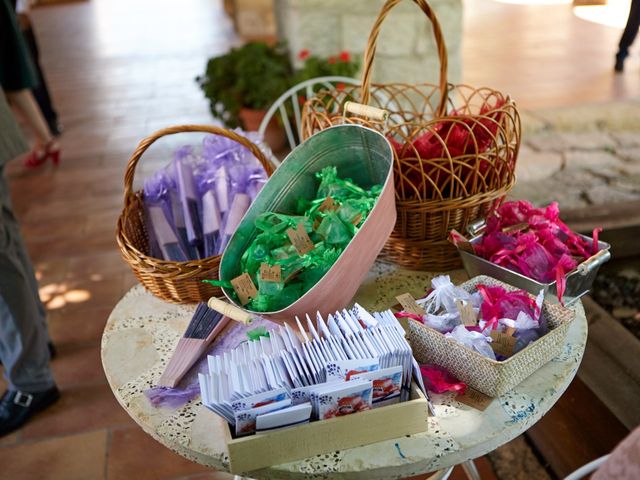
470, 470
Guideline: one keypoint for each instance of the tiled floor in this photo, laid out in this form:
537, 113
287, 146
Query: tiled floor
120, 69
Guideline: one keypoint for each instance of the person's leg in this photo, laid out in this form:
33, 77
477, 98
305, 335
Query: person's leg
629, 34
41, 92
23, 334
23, 100
23, 257
46, 146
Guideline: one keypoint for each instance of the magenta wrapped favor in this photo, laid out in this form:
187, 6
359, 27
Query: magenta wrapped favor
531, 248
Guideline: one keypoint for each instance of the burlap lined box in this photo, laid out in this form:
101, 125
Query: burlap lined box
491, 377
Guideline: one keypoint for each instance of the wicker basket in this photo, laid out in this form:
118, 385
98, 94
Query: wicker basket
442, 188
491, 377
177, 282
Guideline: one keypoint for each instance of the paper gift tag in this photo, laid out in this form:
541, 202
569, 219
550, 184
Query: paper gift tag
460, 241
518, 227
244, 288
503, 343
328, 205
300, 240
270, 273
357, 219
475, 399
409, 304
467, 315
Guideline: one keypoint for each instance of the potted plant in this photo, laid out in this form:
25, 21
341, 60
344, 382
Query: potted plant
342, 65
242, 84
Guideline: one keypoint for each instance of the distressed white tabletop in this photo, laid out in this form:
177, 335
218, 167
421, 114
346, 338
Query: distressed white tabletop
142, 331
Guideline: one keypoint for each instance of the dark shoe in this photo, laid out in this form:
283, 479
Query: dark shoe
56, 127
52, 350
619, 65
16, 407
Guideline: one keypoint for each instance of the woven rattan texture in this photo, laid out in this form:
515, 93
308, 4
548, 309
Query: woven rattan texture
491, 377
456, 183
177, 282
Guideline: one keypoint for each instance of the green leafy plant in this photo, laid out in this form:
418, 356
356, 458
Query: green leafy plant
256, 74
343, 64
252, 76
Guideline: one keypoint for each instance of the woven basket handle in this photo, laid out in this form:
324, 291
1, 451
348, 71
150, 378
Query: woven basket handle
147, 142
370, 52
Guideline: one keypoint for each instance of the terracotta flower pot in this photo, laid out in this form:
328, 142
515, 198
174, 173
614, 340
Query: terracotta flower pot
274, 135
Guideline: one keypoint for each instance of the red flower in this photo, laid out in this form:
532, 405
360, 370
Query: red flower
301, 100
304, 54
340, 86
345, 56
331, 59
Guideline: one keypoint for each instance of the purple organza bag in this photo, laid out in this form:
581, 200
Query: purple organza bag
200, 198
164, 240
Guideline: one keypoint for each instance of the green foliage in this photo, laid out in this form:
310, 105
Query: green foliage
343, 65
252, 76
256, 74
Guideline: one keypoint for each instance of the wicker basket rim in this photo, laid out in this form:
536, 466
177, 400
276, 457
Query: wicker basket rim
142, 262
459, 202
371, 47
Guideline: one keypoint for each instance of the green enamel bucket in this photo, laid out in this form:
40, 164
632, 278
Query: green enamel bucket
358, 153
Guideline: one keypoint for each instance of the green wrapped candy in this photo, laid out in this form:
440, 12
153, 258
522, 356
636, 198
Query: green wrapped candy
330, 230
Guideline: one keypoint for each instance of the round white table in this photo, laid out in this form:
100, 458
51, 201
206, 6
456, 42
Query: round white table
142, 332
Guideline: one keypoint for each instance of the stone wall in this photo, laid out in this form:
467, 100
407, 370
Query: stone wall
406, 49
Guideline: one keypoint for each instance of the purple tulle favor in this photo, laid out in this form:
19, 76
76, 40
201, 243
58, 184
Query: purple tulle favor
197, 192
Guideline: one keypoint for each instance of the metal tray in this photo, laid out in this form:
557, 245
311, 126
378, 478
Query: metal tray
579, 281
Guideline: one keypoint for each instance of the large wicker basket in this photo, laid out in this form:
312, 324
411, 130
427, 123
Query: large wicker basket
177, 282
449, 187
491, 377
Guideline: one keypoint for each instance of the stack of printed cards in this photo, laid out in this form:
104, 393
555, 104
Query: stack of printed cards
349, 363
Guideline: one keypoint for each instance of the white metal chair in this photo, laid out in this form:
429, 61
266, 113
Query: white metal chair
306, 88
585, 470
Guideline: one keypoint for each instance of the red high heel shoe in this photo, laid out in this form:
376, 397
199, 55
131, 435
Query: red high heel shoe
38, 156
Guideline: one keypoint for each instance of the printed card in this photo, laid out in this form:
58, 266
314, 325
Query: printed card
344, 398
259, 400
387, 385
302, 394
287, 417
342, 370
246, 419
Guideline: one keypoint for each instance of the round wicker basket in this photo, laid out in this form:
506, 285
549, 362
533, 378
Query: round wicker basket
177, 282
455, 149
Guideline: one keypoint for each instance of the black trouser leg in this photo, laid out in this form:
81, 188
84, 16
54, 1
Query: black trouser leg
631, 30
41, 93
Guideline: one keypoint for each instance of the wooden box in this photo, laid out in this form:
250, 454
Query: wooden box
295, 443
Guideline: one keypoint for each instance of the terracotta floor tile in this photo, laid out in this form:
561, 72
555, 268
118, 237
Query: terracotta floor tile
71, 326
104, 263
10, 439
80, 409
207, 476
83, 292
51, 270
157, 463
75, 457
77, 365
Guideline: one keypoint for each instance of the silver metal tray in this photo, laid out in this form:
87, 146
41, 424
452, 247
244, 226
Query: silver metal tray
579, 280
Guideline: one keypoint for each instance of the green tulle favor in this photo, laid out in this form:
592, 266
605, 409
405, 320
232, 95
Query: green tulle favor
330, 225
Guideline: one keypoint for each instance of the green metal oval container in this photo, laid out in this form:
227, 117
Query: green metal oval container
358, 153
